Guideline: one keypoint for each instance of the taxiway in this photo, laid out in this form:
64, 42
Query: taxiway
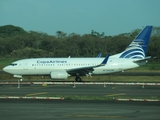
80, 90
71, 110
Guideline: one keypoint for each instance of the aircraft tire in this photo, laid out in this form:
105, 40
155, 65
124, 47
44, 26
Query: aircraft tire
78, 79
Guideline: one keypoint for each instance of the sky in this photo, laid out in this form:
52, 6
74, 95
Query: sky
112, 17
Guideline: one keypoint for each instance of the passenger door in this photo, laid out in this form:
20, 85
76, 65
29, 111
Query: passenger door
25, 65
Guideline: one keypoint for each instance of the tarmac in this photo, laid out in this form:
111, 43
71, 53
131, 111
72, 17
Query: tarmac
19, 109
80, 90
49, 109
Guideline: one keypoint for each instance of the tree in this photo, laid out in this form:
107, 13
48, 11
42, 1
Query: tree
15, 42
10, 30
60, 35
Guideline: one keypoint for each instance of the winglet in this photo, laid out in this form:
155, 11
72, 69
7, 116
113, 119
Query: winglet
99, 55
105, 60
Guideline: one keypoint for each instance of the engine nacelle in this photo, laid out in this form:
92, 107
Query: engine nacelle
59, 75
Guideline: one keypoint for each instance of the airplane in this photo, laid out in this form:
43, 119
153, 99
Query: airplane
62, 68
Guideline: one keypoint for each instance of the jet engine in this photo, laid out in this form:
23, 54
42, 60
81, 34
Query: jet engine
59, 74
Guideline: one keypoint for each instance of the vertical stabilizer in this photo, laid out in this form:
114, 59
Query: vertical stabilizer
138, 47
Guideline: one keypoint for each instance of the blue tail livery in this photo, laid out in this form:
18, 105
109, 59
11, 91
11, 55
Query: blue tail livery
137, 49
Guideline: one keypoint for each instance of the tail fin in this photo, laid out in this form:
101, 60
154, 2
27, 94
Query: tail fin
138, 47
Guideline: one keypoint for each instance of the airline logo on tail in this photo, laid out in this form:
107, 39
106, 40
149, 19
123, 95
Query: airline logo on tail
137, 49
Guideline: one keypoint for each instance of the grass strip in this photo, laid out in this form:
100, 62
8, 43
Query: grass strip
86, 97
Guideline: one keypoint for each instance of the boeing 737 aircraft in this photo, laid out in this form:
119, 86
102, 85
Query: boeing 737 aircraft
61, 68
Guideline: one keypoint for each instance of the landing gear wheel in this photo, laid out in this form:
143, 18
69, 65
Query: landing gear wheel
78, 79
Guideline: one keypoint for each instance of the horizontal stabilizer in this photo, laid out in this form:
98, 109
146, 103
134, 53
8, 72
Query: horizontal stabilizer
146, 58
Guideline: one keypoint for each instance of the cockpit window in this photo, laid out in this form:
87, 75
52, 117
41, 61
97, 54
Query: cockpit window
13, 64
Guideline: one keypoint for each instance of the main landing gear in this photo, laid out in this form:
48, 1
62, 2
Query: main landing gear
78, 79
19, 82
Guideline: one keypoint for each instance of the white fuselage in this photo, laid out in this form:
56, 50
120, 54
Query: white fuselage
44, 66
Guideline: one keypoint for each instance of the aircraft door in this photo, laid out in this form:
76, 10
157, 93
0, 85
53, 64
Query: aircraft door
25, 65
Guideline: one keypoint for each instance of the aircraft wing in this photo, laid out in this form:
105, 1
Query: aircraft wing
86, 70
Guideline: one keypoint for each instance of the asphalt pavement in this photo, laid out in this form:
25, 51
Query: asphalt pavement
80, 90
71, 110
36, 109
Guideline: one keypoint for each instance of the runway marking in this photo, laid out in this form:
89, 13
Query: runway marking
33, 94
96, 116
116, 94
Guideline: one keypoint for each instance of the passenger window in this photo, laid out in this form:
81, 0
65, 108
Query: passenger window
13, 64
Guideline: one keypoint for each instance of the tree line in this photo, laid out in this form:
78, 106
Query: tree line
15, 42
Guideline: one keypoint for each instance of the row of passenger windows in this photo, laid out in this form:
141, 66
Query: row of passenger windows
63, 64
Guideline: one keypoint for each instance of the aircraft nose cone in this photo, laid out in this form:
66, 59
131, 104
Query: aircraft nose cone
5, 69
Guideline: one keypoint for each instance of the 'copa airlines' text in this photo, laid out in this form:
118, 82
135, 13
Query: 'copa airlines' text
50, 61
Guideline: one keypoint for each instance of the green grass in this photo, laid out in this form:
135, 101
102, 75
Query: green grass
105, 97
91, 97
106, 78
150, 66
108, 97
